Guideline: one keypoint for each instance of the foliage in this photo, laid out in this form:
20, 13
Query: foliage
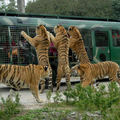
88, 100
48, 95
58, 97
87, 8
9, 108
45, 114
116, 9
11, 7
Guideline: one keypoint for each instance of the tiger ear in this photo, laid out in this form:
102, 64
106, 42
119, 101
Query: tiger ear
77, 32
46, 67
69, 28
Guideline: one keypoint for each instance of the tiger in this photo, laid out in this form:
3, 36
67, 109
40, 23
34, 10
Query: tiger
61, 42
77, 44
17, 77
92, 72
41, 42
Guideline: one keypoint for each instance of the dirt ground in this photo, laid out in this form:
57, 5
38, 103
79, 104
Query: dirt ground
27, 99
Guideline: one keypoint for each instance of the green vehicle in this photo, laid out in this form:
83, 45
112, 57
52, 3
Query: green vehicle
101, 37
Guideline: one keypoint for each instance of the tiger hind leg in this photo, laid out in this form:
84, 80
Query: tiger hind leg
67, 74
50, 86
59, 76
35, 92
114, 78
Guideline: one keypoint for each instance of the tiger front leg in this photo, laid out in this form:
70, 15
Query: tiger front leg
28, 38
11, 93
35, 92
86, 81
42, 83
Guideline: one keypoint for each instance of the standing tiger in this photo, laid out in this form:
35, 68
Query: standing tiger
77, 45
92, 72
18, 77
41, 43
61, 42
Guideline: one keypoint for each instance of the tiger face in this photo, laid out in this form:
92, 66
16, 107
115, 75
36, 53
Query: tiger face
59, 29
41, 30
44, 71
80, 69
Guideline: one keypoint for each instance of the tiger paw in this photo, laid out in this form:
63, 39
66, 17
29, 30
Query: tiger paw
39, 101
22, 32
50, 88
41, 91
56, 90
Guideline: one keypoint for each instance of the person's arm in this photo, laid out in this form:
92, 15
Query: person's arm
22, 46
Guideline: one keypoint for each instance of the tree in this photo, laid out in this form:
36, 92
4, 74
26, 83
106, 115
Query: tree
116, 8
94, 8
11, 7
91, 8
58, 7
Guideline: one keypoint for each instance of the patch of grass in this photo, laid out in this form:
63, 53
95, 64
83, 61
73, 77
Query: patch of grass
79, 103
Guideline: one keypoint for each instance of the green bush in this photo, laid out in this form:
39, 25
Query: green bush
86, 99
9, 108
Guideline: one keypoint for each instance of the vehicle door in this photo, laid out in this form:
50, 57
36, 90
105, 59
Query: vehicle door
115, 46
101, 50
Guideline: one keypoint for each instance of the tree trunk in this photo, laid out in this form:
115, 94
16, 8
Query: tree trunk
21, 6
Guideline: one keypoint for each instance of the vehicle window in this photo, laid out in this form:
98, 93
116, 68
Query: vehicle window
116, 37
86, 35
101, 38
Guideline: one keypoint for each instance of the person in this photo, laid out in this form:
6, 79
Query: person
24, 51
14, 50
53, 51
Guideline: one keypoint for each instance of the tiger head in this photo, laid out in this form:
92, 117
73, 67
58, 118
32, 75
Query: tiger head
74, 32
59, 29
44, 71
41, 30
74, 35
80, 69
